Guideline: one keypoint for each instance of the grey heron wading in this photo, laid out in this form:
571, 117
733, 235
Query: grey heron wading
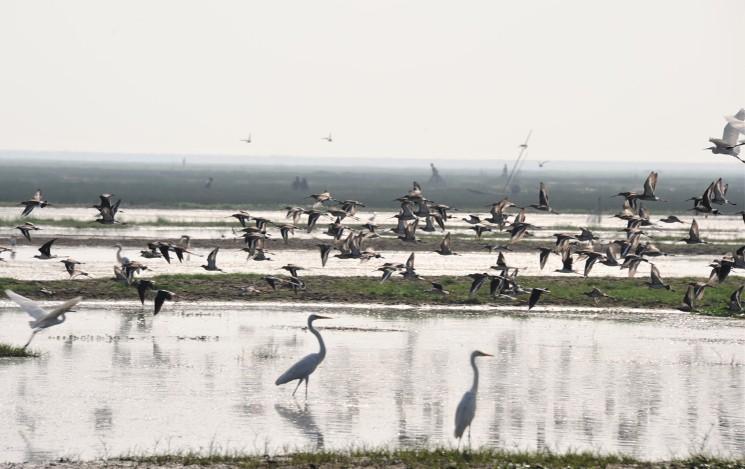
302, 370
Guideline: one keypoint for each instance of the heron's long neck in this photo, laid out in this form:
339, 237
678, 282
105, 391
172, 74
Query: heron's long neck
119, 254
322, 351
475, 385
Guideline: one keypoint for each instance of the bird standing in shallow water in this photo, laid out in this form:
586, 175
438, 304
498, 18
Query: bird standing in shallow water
466, 409
302, 370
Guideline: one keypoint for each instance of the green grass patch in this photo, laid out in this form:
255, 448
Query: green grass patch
565, 291
421, 458
15, 352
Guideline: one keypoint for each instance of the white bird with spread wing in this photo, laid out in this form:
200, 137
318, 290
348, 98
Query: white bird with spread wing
42, 317
728, 144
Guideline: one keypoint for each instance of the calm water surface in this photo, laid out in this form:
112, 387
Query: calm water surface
113, 380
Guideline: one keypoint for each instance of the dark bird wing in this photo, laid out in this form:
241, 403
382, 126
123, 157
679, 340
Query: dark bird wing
543, 257
160, 297
164, 252
46, 248
410, 262
543, 195
535, 295
650, 184
477, 283
693, 233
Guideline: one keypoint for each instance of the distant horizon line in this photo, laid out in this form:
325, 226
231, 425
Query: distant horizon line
345, 161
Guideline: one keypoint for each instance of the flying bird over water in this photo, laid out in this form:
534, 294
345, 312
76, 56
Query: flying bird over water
37, 200
142, 287
655, 279
26, 229
728, 144
671, 219
535, 295
543, 203
45, 251
212, 261
160, 297
42, 318
71, 266
247, 140
693, 234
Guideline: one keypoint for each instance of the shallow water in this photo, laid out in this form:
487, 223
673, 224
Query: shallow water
99, 262
112, 380
721, 228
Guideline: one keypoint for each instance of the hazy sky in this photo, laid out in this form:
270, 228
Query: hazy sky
595, 80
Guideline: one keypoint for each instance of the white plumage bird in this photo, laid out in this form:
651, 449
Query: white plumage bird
467, 407
42, 317
302, 370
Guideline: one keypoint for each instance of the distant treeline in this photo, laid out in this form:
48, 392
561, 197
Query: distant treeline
247, 187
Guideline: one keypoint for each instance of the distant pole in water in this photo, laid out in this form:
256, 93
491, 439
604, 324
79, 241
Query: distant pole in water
597, 217
183, 162
523, 149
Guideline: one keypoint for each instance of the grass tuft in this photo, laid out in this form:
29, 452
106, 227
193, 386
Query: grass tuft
11, 351
421, 458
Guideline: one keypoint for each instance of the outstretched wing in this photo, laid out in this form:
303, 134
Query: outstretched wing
212, 257
46, 248
734, 127
693, 232
445, 244
410, 262
63, 308
30, 306
655, 275
543, 195
650, 184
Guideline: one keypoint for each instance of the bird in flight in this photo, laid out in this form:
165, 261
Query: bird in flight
247, 140
328, 139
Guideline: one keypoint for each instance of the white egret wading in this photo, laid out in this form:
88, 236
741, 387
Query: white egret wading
42, 317
467, 407
302, 370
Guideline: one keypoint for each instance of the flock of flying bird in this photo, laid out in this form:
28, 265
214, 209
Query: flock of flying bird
626, 253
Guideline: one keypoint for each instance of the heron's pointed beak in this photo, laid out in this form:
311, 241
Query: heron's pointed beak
323, 317
487, 354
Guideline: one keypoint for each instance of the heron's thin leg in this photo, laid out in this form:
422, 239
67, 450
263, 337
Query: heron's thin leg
30, 338
299, 382
306, 387
469, 437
